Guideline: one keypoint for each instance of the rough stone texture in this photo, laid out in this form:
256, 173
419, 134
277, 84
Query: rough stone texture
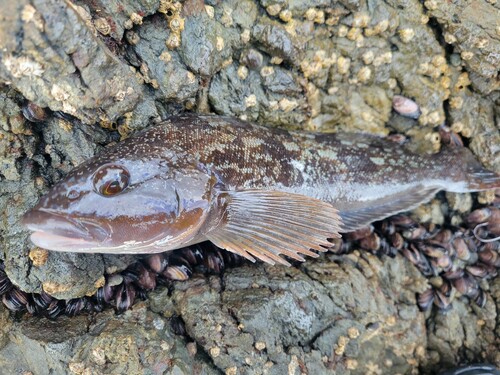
310, 65
341, 314
464, 332
136, 342
52, 55
121, 15
473, 31
324, 316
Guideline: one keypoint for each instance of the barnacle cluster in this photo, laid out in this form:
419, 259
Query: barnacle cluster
438, 71
172, 11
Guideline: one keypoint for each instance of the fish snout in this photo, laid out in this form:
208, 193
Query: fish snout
56, 224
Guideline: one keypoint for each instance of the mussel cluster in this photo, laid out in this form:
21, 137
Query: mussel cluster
122, 289
456, 260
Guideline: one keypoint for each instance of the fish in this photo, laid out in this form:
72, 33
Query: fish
257, 191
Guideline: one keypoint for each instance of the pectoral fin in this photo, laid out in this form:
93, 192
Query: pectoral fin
359, 214
266, 224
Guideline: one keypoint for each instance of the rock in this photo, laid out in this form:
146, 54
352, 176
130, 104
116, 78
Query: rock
207, 56
136, 342
276, 41
62, 64
304, 315
473, 32
163, 69
325, 316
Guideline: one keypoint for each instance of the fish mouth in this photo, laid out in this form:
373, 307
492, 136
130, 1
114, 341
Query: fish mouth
56, 231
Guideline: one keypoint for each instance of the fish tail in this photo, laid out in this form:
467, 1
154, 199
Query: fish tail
467, 173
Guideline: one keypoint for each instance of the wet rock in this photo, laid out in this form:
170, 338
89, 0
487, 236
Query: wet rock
325, 311
135, 342
13, 138
276, 41
281, 82
369, 102
70, 144
472, 116
228, 93
326, 316
461, 328
242, 13
61, 64
121, 16
212, 47
485, 134
473, 32
163, 69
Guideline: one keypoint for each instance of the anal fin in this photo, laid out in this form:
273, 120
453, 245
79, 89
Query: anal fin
357, 215
267, 224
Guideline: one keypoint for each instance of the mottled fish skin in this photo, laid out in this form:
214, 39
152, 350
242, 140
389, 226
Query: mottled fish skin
347, 170
193, 178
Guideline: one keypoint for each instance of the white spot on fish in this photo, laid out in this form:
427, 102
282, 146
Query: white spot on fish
378, 161
163, 241
298, 165
327, 154
291, 146
302, 169
251, 142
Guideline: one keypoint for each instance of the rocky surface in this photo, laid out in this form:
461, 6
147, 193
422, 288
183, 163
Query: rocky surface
474, 33
343, 314
311, 65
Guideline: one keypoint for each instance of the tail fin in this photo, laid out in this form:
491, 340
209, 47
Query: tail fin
466, 172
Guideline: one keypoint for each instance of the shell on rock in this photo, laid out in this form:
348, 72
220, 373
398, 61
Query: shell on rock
406, 107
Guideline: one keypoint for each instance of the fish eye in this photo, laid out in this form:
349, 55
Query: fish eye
111, 179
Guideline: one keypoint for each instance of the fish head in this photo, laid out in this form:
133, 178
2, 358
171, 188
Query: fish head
119, 203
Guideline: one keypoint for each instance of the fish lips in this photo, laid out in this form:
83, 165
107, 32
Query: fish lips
55, 231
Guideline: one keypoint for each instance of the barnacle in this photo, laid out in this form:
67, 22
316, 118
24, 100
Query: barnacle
172, 11
102, 25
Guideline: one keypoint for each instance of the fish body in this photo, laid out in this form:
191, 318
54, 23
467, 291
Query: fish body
256, 191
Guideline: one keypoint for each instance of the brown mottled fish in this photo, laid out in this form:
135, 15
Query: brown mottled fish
256, 191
